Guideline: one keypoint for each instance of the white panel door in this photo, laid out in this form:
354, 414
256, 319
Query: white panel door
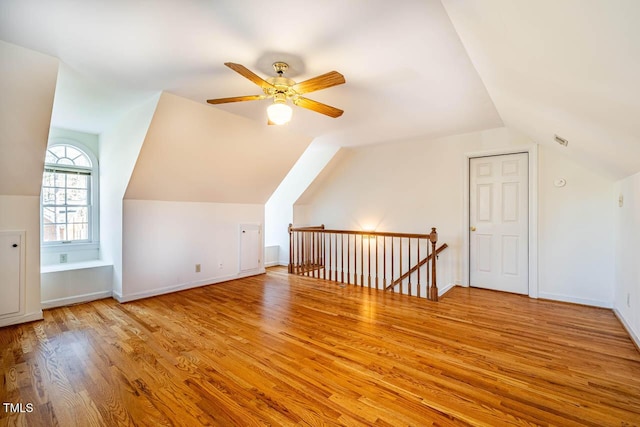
499, 223
10, 284
250, 242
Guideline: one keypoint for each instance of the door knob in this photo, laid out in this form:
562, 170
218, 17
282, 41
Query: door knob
15, 245
472, 228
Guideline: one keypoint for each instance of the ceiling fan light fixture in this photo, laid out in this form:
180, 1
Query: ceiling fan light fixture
279, 112
281, 89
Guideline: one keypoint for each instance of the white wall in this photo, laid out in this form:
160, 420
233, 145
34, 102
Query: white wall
271, 256
414, 185
19, 213
279, 207
73, 284
75, 254
627, 254
403, 187
163, 241
576, 231
119, 148
27, 87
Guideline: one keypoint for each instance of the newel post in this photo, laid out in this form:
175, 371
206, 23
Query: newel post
290, 267
433, 290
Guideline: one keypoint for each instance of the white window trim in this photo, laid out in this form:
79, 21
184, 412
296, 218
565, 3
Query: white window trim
94, 242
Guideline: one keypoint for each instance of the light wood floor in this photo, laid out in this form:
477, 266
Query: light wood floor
283, 350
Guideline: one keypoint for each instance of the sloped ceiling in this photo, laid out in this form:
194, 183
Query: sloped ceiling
565, 67
414, 68
198, 154
89, 104
325, 177
27, 86
407, 72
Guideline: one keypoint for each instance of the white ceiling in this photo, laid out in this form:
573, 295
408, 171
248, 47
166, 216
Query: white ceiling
413, 67
568, 67
407, 72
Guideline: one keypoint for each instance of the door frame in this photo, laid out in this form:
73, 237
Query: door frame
532, 151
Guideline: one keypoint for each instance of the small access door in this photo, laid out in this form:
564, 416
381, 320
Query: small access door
10, 270
250, 243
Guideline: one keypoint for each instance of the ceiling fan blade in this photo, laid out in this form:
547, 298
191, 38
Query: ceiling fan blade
318, 107
244, 71
332, 78
236, 99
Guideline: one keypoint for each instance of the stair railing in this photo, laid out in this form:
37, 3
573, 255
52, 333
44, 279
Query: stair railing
380, 260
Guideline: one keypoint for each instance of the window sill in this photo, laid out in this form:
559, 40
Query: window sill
74, 266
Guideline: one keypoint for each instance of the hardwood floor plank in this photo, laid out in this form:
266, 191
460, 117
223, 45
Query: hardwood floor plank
277, 349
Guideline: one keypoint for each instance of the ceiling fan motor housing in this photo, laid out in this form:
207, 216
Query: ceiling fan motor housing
281, 85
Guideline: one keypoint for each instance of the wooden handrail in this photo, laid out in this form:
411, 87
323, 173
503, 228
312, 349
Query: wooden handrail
352, 257
417, 266
309, 228
363, 233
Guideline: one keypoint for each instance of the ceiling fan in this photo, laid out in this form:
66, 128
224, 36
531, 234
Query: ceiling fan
281, 89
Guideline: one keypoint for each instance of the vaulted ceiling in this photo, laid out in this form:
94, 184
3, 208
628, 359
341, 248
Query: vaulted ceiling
413, 68
565, 67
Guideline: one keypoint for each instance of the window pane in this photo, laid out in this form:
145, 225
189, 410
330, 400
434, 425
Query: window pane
60, 179
77, 214
48, 196
53, 196
49, 233
54, 232
72, 153
58, 150
77, 181
60, 192
77, 197
48, 179
78, 231
65, 161
50, 157
83, 161
48, 216
61, 215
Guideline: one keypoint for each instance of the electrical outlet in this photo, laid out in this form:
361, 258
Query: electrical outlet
628, 299
198, 268
220, 266
63, 258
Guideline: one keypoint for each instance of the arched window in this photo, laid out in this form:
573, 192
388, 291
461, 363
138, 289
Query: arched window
68, 199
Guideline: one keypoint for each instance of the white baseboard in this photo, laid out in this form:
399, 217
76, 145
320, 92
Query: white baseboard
277, 263
76, 299
634, 337
30, 317
444, 290
583, 301
184, 286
